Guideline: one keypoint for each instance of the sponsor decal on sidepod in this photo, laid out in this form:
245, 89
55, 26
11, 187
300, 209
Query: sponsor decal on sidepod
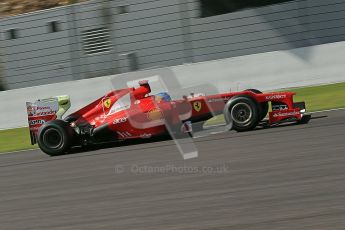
275, 97
120, 120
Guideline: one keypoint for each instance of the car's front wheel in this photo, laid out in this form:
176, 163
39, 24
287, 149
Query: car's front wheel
55, 137
242, 113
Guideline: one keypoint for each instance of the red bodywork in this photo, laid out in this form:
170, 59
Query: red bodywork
215, 104
146, 116
130, 113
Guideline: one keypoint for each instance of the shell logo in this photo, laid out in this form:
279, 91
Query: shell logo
155, 114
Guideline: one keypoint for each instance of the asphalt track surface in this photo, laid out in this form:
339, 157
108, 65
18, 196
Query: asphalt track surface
290, 177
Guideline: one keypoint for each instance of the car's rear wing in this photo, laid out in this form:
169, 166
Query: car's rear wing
43, 110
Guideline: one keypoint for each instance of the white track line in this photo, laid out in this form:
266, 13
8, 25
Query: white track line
18, 151
329, 110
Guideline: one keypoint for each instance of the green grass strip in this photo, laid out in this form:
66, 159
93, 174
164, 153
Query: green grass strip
15, 140
323, 97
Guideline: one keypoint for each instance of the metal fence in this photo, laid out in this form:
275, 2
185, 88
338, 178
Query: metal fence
105, 37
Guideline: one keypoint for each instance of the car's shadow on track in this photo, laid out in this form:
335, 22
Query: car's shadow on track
261, 127
108, 145
318, 117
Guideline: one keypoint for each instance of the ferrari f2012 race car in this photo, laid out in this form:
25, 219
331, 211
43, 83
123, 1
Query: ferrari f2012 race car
132, 113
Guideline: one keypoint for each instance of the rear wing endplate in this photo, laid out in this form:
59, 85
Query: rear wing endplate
43, 110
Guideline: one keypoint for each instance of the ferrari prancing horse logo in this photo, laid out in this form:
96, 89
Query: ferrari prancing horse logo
197, 106
107, 103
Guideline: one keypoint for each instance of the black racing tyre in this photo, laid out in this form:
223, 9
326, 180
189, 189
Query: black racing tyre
242, 111
254, 91
263, 107
55, 137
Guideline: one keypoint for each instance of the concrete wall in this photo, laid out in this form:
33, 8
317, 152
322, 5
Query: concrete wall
265, 71
2, 74
153, 30
36, 56
161, 33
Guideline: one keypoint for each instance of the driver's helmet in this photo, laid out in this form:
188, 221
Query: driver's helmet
164, 96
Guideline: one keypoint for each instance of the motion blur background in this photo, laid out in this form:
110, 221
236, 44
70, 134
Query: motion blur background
69, 40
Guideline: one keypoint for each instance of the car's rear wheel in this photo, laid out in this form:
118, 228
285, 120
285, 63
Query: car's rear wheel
263, 107
242, 113
55, 137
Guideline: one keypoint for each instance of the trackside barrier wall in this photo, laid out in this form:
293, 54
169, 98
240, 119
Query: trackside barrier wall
93, 38
266, 71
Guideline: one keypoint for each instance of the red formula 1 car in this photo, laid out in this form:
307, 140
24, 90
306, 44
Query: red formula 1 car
133, 113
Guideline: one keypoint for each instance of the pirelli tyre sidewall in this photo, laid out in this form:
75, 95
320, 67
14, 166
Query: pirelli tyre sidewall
55, 137
242, 113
